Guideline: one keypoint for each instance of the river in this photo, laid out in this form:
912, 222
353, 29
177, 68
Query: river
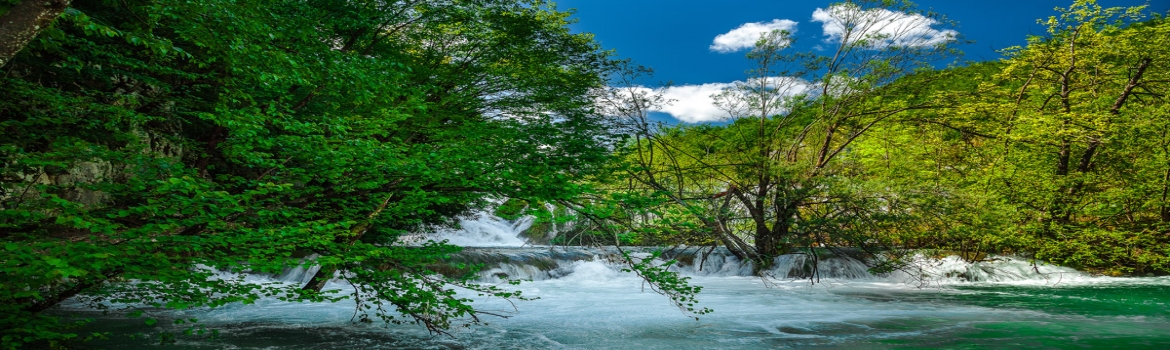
585, 302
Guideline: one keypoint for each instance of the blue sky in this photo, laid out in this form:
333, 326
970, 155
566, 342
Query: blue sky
675, 37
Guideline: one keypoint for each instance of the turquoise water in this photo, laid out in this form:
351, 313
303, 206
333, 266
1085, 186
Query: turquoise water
595, 306
1117, 313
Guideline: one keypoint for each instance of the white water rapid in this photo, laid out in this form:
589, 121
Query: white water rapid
483, 229
586, 302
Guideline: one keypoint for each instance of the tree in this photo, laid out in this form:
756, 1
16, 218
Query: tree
1056, 152
1069, 76
1080, 145
782, 164
21, 20
247, 136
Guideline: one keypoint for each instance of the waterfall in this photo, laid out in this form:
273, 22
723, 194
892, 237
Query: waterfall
483, 229
499, 245
552, 214
546, 263
298, 274
993, 269
582, 299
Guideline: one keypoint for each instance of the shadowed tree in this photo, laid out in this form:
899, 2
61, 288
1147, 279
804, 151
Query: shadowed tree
22, 20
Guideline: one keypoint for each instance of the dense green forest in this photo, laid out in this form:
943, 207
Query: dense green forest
142, 139
1058, 152
145, 146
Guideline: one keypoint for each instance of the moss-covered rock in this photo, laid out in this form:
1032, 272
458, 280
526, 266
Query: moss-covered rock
511, 209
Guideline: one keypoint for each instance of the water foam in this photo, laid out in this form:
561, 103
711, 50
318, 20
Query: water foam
585, 301
482, 229
546, 263
994, 269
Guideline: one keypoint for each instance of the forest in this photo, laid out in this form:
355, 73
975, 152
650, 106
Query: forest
148, 147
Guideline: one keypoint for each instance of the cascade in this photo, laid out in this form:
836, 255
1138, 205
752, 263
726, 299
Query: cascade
993, 269
518, 263
583, 300
552, 214
482, 229
499, 246
298, 274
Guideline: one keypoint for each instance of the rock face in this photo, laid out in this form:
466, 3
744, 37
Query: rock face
76, 179
72, 184
76, 183
552, 224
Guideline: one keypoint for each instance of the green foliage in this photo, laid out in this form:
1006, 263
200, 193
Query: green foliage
1059, 152
785, 173
681, 294
1111, 252
142, 139
512, 209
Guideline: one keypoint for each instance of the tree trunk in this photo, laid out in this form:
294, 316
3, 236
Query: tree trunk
319, 279
326, 272
1165, 210
768, 242
24, 21
1085, 165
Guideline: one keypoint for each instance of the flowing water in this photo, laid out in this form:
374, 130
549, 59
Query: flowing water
586, 302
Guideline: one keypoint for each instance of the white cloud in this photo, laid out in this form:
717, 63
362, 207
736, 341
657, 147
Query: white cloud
687, 103
746, 35
745, 97
697, 103
693, 103
884, 27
